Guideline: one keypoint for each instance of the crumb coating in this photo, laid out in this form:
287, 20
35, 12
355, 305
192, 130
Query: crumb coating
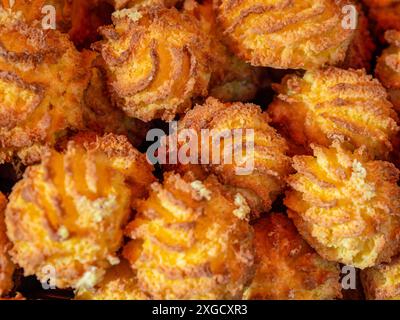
346, 206
287, 268
266, 177
42, 82
334, 104
286, 34
157, 60
192, 240
69, 211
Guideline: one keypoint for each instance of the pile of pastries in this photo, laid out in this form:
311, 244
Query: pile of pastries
85, 215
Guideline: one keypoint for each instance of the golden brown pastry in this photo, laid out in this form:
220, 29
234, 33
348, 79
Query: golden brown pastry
265, 165
382, 282
119, 283
346, 205
287, 267
231, 78
192, 240
36, 11
332, 103
121, 4
286, 34
157, 61
388, 67
6, 266
68, 212
79, 18
42, 82
101, 116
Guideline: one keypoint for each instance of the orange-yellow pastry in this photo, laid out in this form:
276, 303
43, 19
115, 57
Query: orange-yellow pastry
258, 167
157, 61
382, 282
191, 240
332, 103
121, 4
6, 266
346, 205
119, 283
42, 82
101, 116
388, 67
38, 11
287, 268
286, 34
66, 216
231, 78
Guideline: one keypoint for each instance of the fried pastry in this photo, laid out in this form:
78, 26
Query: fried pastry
388, 67
6, 266
287, 267
332, 103
36, 11
101, 116
231, 78
157, 61
254, 162
121, 4
286, 34
346, 205
67, 214
191, 240
119, 283
382, 282
42, 82
79, 18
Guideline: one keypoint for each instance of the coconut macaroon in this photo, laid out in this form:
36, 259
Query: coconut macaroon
36, 11
68, 212
101, 116
121, 4
382, 282
252, 158
330, 104
346, 205
232, 79
119, 283
388, 67
287, 268
157, 60
191, 240
38, 105
80, 19
286, 34
6, 266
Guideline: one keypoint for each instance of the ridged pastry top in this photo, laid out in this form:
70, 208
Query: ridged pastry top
69, 212
192, 240
38, 105
286, 33
157, 61
346, 206
332, 103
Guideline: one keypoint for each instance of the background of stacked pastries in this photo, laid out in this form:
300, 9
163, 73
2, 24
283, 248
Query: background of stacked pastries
81, 203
